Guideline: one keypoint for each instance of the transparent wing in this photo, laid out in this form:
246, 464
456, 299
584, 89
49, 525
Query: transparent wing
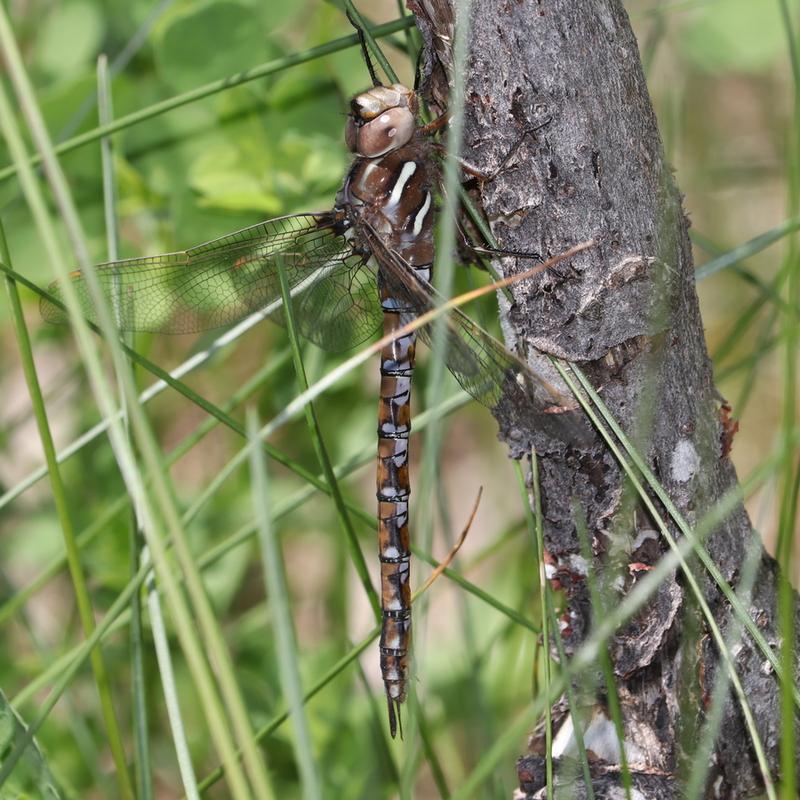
482, 365
222, 281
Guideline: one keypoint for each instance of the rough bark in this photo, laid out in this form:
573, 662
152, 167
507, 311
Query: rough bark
559, 85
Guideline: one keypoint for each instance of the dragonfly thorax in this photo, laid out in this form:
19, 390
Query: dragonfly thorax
392, 196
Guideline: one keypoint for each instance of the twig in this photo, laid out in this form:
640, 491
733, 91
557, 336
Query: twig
443, 565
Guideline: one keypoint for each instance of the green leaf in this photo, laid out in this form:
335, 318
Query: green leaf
225, 181
211, 41
69, 37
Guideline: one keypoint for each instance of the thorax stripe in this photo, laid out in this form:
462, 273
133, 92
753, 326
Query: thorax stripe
419, 219
409, 168
369, 168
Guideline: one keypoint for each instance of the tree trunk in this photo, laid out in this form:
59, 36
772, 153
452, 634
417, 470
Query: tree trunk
558, 86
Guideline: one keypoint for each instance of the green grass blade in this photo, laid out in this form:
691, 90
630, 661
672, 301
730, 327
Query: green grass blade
82, 598
97, 526
748, 249
600, 603
164, 506
321, 451
767, 291
703, 756
168, 682
142, 766
33, 777
286, 641
790, 478
131, 48
201, 92
535, 520
443, 270
691, 536
428, 751
138, 551
369, 38
536, 530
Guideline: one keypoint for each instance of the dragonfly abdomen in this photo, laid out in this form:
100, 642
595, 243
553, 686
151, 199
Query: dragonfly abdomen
393, 490
389, 197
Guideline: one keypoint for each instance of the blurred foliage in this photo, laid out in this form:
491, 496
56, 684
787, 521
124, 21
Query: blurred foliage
32, 778
724, 42
722, 89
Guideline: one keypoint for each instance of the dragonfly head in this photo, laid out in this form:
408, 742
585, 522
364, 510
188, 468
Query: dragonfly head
381, 119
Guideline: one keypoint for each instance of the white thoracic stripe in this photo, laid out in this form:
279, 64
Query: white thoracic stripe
409, 168
420, 218
371, 166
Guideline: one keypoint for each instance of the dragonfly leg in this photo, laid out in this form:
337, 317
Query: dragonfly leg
492, 252
477, 172
496, 252
436, 125
364, 49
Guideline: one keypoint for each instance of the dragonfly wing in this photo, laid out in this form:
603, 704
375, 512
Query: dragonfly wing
342, 310
222, 281
480, 363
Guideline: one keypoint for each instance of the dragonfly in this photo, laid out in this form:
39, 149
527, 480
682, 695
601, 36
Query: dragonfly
365, 263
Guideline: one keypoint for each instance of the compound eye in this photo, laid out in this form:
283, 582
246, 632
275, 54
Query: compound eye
390, 131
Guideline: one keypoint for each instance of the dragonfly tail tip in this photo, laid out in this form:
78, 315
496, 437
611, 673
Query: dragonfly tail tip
395, 718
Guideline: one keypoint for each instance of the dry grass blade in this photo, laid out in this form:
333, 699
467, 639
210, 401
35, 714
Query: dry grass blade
444, 564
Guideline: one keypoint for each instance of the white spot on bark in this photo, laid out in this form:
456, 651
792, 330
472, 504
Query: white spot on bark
578, 565
599, 736
685, 462
618, 793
